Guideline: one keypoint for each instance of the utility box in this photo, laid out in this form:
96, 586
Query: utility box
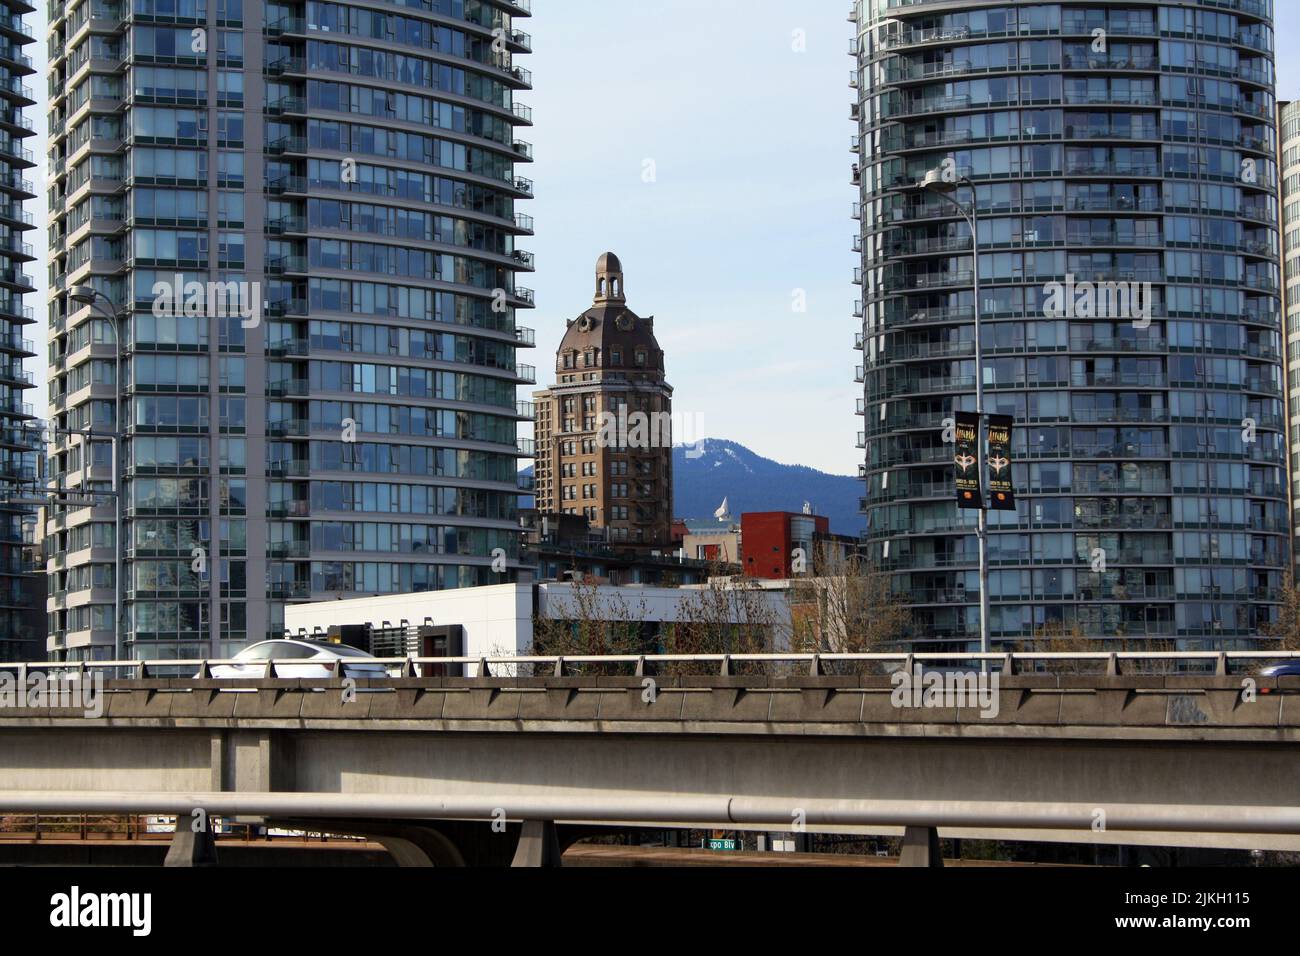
445, 640
353, 635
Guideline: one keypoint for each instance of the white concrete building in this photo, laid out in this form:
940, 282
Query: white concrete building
498, 620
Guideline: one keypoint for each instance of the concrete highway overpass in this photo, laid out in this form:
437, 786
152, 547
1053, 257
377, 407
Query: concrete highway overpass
428, 765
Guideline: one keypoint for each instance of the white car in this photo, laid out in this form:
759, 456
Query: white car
294, 658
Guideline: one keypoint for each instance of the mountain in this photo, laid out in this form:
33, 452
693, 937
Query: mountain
713, 469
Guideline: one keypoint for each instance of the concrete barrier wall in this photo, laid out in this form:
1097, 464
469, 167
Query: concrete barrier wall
1164, 741
1085, 706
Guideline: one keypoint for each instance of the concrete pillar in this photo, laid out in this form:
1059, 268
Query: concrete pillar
404, 852
921, 847
408, 844
189, 848
538, 845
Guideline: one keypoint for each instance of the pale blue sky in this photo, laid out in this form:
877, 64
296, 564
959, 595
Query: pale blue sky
750, 142
1287, 28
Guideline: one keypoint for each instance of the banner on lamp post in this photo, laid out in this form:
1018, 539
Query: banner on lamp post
966, 460
1002, 494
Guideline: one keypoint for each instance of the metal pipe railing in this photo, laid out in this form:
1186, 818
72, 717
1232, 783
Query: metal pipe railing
668, 808
558, 662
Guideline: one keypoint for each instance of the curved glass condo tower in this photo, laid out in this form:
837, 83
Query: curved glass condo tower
1121, 160
348, 174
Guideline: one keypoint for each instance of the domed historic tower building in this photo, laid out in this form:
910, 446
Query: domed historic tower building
604, 432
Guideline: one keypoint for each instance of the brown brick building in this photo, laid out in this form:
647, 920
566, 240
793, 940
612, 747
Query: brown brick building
604, 429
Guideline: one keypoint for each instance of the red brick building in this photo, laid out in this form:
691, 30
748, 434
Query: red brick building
768, 540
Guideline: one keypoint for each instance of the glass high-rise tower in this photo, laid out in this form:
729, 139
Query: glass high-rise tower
1289, 162
349, 427
1121, 158
20, 588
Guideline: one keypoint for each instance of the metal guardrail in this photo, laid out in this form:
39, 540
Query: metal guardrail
816, 664
667, 809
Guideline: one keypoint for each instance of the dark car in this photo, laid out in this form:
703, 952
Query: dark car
1285, 669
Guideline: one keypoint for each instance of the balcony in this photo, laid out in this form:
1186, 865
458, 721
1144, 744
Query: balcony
285, 264
287, 144
288, 549
288, 387
294, 508
286, 24
287, 104
283, 591
287, 184
288, 468
289, 427
283, 307
286, 224
291, 64
1141, 343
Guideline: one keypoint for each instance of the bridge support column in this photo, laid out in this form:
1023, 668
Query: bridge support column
191, 849
921, 847
419, 846
409, 844
538, 844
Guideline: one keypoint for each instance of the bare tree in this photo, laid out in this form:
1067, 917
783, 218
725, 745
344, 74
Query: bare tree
729, 615
1059, 637
595, 622
1284, 633
846, 606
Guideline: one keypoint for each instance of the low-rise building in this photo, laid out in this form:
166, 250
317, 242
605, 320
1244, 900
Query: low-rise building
779, 544
499, 620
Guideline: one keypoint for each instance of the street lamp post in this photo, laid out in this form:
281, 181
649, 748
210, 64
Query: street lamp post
936, 184
89, 295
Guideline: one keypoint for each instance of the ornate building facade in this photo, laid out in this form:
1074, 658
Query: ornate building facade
604, 429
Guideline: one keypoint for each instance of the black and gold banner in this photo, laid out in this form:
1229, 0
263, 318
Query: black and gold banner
966, 460
1002, 495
